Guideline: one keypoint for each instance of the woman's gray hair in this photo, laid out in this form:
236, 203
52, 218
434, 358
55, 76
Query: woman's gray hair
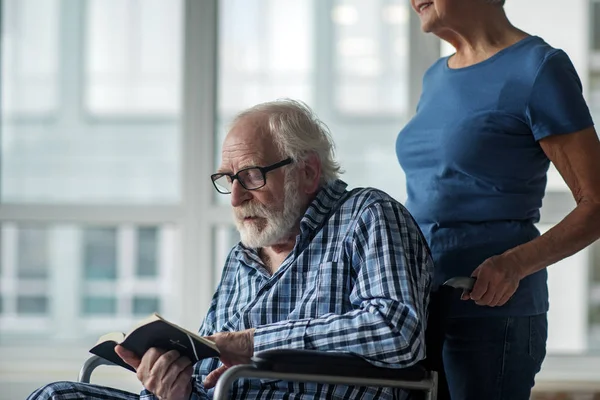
499, 2
298, 133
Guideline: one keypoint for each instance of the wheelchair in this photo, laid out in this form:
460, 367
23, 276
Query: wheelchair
320, 367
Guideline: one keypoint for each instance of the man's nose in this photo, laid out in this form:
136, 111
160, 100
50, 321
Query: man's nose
239, 194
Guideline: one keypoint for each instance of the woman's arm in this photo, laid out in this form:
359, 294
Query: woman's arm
577, 158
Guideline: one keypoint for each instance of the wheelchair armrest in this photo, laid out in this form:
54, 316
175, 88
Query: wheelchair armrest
89, 366
328, 363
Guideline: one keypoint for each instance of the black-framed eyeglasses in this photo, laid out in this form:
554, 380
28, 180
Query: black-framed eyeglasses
250, 178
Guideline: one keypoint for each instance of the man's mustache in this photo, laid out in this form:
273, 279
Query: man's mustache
251, 210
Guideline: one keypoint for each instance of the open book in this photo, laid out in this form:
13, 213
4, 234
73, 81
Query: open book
155, 331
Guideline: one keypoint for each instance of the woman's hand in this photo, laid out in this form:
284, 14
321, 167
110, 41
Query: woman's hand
497, 280
235, 348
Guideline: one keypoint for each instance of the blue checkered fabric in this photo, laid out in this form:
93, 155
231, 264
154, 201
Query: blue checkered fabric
357, 281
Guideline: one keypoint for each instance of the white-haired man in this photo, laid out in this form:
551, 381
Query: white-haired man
318, 267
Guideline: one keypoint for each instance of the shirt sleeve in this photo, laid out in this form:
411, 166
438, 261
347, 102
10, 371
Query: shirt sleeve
390, 294
198, 393
204, 367
556, 104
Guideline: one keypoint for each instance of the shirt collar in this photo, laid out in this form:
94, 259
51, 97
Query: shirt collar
320, 207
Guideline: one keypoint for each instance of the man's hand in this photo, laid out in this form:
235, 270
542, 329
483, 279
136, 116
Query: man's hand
497, 280
235, 348
165, 374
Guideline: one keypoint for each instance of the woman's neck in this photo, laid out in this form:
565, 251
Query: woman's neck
480, 38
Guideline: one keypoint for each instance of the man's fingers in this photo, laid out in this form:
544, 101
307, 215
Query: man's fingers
213, 377
181, 378
148, 361
182, 386
128, 356
172, 371
164, 361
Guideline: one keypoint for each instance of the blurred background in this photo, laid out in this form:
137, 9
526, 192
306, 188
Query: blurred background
112, 115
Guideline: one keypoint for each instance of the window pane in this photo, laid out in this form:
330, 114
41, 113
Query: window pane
147, 263
595, 45
134, 57
32, 305
265, 52
145, 305
30, 60
128, 55
32, 253
99, 306
371, 56
224, 238
594, 89
100, 253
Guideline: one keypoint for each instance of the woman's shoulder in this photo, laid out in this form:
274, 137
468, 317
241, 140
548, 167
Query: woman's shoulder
539, 47
438, 65
536, 52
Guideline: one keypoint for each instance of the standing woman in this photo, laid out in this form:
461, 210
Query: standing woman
490, 119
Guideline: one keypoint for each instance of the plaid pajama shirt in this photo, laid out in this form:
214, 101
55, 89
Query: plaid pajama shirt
357, 281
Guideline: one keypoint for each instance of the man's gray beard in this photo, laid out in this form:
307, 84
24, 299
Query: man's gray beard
279, 224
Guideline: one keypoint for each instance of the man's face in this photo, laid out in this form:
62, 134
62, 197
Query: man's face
266, 216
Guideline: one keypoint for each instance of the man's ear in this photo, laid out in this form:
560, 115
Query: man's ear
311, 174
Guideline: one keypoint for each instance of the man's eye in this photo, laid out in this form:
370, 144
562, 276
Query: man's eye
254, 174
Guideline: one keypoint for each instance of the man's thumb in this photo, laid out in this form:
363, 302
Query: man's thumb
213, 377
128, 356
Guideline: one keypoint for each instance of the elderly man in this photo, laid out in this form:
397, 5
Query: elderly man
318, 267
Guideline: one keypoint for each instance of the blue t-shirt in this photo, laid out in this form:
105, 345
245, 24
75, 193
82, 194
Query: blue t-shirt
475, 172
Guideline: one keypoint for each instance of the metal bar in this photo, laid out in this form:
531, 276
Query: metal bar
77, 213
250, 371
89, 366
432, 394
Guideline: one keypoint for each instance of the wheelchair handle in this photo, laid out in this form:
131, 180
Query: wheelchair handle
461, 282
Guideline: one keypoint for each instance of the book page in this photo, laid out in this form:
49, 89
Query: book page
116, 337
156, 317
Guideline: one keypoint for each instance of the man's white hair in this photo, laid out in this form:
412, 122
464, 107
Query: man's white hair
298, 133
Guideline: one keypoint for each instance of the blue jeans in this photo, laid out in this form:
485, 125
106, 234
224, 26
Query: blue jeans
491, 358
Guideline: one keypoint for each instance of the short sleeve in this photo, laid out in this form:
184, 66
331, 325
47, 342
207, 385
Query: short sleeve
556, 104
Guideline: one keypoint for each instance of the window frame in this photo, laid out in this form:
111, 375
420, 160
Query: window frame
194, 215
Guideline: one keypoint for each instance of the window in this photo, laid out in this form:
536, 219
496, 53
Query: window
370, 62
147, 254
24, 274
264, 54
92, 210
347, 59
133, 58
32, 272
72, 158
30, 58
85, 273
